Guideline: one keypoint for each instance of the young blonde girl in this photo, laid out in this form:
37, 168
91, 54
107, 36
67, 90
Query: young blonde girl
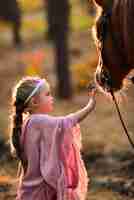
47, 146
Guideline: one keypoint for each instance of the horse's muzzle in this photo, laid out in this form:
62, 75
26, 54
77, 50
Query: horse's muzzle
103, 79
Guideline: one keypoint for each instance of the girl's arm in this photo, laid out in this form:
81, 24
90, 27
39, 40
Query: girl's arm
82, 113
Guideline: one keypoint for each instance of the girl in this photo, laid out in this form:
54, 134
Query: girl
48, 147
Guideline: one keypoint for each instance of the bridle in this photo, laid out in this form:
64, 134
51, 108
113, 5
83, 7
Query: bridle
104, 24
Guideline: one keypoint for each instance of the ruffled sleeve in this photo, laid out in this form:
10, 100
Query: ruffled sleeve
55, 132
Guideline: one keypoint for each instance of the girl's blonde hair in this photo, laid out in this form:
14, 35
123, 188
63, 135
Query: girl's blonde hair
21, 93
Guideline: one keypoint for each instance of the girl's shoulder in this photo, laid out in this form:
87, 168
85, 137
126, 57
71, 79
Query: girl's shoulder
67, 121
42, 119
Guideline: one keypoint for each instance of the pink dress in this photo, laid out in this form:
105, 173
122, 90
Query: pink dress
55, 169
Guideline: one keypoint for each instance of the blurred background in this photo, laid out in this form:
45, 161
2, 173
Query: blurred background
53, 39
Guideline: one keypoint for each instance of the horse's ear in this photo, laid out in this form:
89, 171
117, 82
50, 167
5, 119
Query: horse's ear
99, 2
105, 4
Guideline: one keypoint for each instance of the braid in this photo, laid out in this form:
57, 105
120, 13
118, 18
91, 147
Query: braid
17, 123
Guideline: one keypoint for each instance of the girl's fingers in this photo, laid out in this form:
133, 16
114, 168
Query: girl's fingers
92, 93
92, 89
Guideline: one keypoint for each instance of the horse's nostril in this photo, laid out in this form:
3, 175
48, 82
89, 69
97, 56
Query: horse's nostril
102, 76
131, 78
103, 79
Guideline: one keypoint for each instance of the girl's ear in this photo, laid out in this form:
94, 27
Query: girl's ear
34, 101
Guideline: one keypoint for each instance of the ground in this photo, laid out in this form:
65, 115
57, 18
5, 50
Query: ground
106, 151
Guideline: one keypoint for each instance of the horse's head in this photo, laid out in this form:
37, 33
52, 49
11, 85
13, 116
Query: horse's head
114, 36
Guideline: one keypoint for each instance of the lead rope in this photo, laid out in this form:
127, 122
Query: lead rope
121, 119
92, 86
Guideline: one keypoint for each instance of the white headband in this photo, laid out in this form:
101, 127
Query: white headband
42, 81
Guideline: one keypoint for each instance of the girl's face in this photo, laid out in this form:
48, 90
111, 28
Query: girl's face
43, 102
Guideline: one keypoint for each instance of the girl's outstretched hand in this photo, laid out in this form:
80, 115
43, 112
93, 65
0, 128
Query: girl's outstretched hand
82, 113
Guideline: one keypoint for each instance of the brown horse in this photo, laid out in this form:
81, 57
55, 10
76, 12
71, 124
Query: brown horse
114, 37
